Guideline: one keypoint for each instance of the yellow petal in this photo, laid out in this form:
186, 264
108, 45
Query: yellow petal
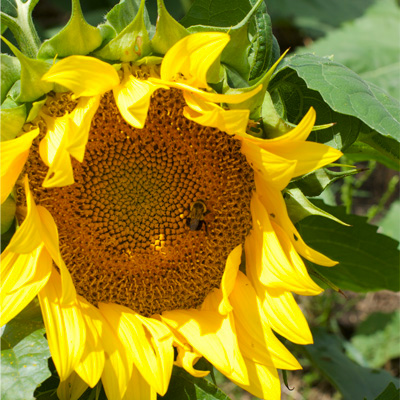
53, 151
187, 359
285, 316
154, 363
85, 76
200, 329
72, 388
272, 257
65, 327
309, 155
22, 278
14, 154
118, 364
275, 170
273, 201
79, 130
257, 342
234, 98
263, 381
133, 99
229, 278
91, 365
210, 114
138, 388
191, 57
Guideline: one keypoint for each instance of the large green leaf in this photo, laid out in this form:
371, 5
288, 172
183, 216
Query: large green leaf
24, 355
345, 93
367, 46
377, 338
368, 261
390, 393
352, 380
184, 386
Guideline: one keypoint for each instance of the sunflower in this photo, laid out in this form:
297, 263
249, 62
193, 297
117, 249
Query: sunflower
106, 179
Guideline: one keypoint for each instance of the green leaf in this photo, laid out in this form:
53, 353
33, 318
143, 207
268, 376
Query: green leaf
292, 99
17, 16
390, 393
184, 386
77, 37
10, 73
377, 338
168, 31
368, 261
32, 87
24, 355
8, 209
347, 93
389, 225
132, 42
372, 34
352, 380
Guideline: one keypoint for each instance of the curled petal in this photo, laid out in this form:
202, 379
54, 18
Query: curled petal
84, 76
14, 154
65, 327
187, 359
133, 99
191, 57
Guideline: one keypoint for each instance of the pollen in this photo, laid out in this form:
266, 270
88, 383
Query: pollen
123, 224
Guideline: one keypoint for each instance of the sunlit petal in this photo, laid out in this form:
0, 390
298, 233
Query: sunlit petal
71, 388
83, 75
138, 388
14, 154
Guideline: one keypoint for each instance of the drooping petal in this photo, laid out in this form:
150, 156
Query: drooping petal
91, 365
79, 131
210, 114
200, 329
273, 201
263, 381
229, 278
276, 170
118, 364
272, 258
22, 278
155, 365
14, 154
138, 388
65, 327
257, 342
53, 151
191, 57
133, 99
83, 75
187, 359
72, 388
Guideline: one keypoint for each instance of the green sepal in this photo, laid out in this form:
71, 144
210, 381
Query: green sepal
12, 120
17, 16
10, 73
35, 109
168, 31
8, 209
236, 51
273, 124
121, 15
32, 87
77, 37
316, 182
299, 207
131, 44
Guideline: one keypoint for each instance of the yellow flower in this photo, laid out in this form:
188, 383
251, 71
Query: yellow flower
106, 178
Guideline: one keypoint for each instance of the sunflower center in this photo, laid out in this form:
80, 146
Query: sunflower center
153, 212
